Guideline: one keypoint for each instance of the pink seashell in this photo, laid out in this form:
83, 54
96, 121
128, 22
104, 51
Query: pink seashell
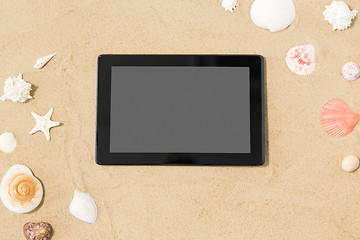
338, 119
301, 59
351, 71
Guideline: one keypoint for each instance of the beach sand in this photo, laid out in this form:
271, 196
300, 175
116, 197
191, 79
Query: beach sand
300, 193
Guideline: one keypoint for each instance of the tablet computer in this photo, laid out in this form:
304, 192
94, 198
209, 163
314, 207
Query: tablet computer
180, 110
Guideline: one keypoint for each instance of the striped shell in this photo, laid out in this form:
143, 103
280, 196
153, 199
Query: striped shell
338, 119
301, 59
351, 71
41, 62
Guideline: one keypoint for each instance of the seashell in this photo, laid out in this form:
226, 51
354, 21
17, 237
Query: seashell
7, 142
16, 89
20, 191
338, 119
339, 15
273, 15
301, 59
37, 231
351, 71
41, 62
83, 207
229, 5
350, 163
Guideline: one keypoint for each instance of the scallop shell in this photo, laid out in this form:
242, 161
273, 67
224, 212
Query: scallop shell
351, 71
350, 163
301, 59
20, 191
273, 15
339, 15
83, 207
338, 119
229, 5
41, 62
7, 142
37, 231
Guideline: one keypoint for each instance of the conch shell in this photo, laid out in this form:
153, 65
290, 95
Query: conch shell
339, 15
16, 89
37, 231
20, 191
41, 62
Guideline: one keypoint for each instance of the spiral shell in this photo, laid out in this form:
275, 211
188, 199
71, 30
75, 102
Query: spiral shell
20, 191
41, 62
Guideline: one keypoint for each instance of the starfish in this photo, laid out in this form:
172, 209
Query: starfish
44, 124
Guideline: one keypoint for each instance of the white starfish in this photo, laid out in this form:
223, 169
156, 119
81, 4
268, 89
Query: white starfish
44, 124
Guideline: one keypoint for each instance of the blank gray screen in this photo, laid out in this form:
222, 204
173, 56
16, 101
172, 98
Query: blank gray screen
180, 110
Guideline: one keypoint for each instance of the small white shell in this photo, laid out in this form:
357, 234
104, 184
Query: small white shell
350, 163
83, 207
7, 142
274, 15
16, 89
41, 62
339, 15
20, 191
351, 71
229, 5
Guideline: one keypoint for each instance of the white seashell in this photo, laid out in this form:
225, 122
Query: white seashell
351, 71
274, 15
229, 5
16, 89
41, 62
339, 15
20, 191
83, 207
7, 142
350, 163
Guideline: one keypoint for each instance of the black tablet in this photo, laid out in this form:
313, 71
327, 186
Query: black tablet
180, 110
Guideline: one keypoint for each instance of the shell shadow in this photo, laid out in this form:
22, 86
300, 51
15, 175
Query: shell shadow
32, 92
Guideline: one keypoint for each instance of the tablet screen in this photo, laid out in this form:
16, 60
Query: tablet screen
180, 109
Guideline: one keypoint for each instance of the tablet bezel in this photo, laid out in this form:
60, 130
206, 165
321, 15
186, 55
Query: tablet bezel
256, 157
